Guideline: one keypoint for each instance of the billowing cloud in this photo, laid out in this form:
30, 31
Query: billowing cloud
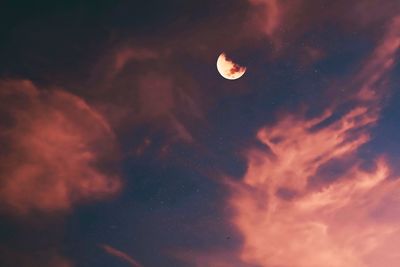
350, 221
54, 144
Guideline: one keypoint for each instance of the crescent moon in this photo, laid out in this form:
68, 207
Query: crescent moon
228, 69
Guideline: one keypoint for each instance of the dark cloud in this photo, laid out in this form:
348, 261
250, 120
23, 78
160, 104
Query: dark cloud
287, 22
50, 258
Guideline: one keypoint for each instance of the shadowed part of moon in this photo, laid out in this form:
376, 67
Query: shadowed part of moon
228, 69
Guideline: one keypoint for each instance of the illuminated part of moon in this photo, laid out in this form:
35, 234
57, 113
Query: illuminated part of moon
228, 69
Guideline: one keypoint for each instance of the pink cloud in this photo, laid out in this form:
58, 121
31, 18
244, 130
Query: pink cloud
55, 143
347, 222
332, 227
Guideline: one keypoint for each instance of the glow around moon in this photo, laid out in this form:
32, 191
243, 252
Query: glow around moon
228, 69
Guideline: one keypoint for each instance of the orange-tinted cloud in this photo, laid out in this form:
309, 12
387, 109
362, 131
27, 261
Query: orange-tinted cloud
54, 145
351, 221
122, 255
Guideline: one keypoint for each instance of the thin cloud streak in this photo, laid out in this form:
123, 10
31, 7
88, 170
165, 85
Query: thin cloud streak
122, 255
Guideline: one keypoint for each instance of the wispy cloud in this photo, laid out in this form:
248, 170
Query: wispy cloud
346, 222
122, 255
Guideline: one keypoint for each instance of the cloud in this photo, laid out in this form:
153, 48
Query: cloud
378, 65
268, 15
272, 15
144, 89
285, 22
215, 258
122, 255
57, 150
351, 221
310, 55
277, 230
336, 226
162, 101
37, 258
115, 62
124, 55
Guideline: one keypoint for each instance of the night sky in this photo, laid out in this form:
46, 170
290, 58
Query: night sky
122, 145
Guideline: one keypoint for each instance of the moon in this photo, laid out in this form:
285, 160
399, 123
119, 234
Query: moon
228, 69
